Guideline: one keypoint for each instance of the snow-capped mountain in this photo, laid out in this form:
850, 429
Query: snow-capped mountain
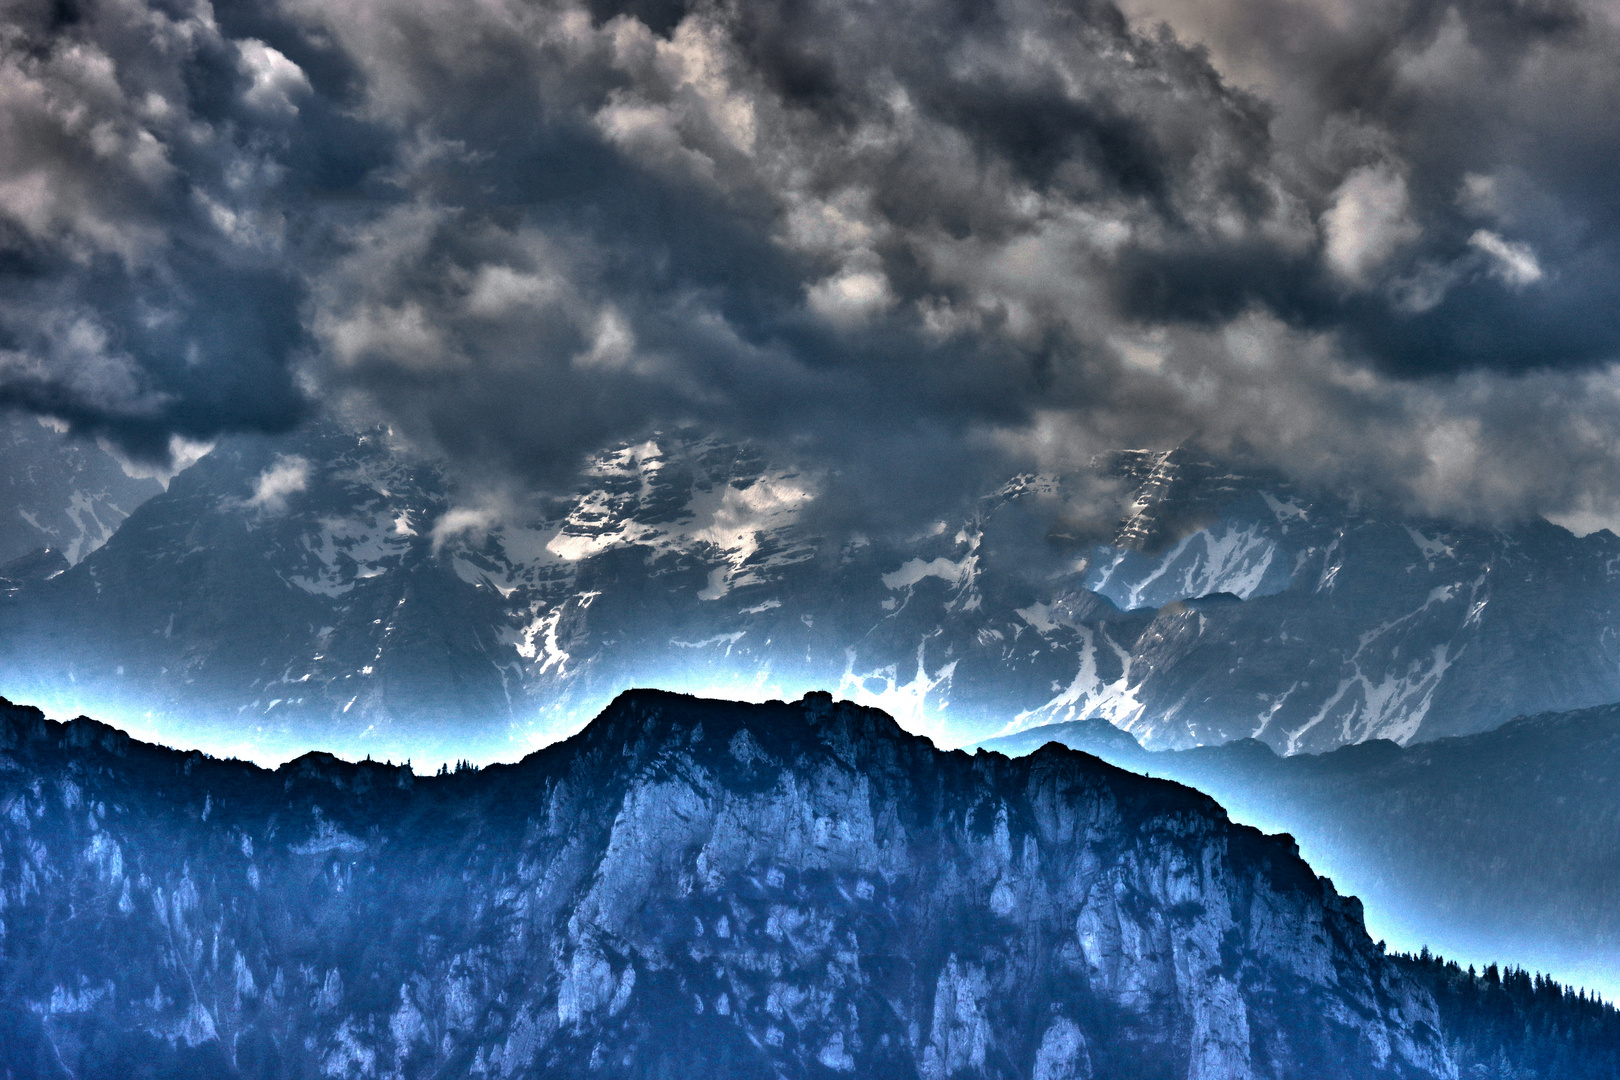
330, 588
687, 888
65, 495
1309, 623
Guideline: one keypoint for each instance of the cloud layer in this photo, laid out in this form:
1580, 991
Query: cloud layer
913, 245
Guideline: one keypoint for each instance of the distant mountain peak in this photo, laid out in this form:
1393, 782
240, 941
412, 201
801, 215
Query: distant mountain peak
358, 605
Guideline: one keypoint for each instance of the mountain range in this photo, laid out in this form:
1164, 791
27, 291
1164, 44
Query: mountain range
332, 589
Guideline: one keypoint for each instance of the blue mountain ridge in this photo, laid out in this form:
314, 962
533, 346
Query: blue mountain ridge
687, 887
1501, 843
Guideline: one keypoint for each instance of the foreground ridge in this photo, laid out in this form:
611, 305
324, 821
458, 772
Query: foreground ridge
686, 887
1496, 844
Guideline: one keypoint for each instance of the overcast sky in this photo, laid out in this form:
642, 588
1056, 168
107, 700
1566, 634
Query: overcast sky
917, 244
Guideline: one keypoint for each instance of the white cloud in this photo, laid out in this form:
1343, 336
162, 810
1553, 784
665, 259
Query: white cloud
613, 344
183, 454
276, 80
1514, 263
1368, 221
471, 523
286, 476
1041, 222
851, 297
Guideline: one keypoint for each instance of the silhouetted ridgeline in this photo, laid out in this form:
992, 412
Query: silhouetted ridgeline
1501, 844
1511, 1025
687, 888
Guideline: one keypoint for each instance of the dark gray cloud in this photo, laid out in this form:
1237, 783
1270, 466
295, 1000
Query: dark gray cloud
910, 246
144, 260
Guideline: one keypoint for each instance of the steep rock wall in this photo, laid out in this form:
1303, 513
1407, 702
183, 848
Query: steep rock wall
686, 888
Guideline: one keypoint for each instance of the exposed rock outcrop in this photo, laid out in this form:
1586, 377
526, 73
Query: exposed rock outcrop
686, 888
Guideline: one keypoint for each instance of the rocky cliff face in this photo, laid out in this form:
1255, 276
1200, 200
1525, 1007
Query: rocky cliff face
687, 888
1499, 844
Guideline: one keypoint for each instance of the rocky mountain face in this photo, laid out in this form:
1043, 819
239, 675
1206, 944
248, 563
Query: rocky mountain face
38, 565
220, 610
55, 493
1310, 623
687, 888
1499, 844
328, 588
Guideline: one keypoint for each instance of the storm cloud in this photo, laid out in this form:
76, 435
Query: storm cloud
910, 245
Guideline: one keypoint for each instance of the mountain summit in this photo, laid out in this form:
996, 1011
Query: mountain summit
687, 887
